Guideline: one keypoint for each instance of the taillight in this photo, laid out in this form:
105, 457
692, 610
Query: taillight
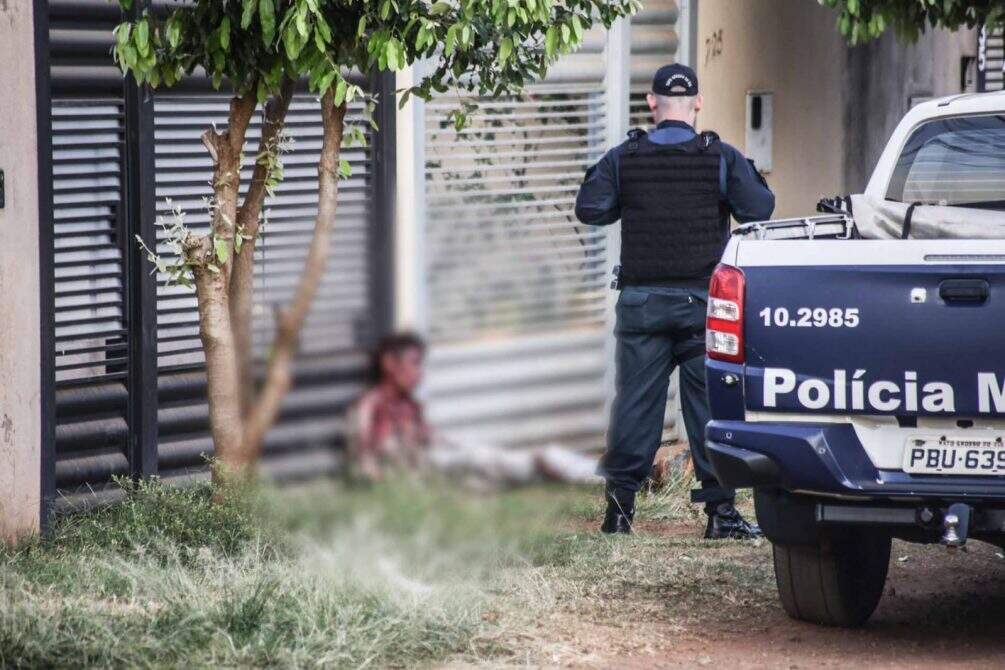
724, 325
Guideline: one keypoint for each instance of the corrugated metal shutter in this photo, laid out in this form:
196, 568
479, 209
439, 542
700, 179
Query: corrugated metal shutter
654, 43
91, 335
991, 59
516, 287
91, 339
515, 284
331, 363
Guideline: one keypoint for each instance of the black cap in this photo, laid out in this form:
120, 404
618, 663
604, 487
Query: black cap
675, 80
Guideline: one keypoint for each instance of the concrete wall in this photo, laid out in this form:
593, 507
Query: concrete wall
790, 47
834, 106
20, 418
882, 77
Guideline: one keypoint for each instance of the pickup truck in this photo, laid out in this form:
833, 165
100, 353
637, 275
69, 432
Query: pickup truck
856, 365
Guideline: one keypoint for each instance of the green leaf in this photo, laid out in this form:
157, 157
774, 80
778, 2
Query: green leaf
340, 91
222, 252
451, 42
404, 98
324, 30
238, 243
505, 49
129, 55
225, 33
267, 17
142, 38
550, 41
361, 27
439, 8
577, 27
122, 34
326, 81
392, 51
344, 168
293, 42
174, 32
248, 8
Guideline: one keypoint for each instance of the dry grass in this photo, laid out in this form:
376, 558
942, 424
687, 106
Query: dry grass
339, 577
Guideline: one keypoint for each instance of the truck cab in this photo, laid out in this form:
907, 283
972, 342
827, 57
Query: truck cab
855, 370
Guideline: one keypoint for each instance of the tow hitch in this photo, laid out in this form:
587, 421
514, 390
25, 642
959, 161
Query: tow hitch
952, 525
956, 526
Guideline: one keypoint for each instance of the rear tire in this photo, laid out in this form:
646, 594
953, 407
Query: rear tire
836, 582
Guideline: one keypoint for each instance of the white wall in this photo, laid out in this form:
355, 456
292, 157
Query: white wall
20, 382
792, 48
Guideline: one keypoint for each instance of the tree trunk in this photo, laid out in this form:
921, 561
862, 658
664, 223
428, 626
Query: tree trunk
279, 373
248, 220
222, 377
212, 287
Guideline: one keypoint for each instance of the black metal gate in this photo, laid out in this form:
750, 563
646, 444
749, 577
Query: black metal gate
127, 378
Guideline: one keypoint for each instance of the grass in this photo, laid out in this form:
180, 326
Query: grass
329, 576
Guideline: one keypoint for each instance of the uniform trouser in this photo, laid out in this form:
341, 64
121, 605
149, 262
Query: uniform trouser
658, 329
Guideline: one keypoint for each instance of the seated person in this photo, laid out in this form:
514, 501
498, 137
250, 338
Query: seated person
388, 430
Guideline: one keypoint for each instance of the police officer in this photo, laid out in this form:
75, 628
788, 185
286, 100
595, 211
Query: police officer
674, 190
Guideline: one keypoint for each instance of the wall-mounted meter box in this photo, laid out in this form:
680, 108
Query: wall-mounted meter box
759, 128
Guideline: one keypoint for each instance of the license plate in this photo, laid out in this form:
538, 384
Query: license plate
944, 455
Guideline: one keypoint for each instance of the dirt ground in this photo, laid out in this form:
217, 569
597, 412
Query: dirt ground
940, 610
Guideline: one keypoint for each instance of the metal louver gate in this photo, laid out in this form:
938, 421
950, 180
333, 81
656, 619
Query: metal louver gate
92, 250
91, 336
991, 59
128, 385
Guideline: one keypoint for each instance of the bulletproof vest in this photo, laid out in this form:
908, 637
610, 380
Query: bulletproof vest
674, 221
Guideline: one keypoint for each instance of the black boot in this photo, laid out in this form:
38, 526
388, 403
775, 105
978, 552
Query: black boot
724, 522
620, 511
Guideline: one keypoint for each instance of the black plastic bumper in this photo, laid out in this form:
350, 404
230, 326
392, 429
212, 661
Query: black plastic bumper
740, 468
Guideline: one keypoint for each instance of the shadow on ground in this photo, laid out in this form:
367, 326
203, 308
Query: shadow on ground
940, 610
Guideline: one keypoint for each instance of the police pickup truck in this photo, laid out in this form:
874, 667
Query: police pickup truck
856, 364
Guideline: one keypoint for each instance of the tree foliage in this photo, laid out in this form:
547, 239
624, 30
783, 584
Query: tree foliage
484, 47
862, 20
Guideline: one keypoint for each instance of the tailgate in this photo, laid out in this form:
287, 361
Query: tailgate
905, 328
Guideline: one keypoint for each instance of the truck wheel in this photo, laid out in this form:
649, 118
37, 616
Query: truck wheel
837, 582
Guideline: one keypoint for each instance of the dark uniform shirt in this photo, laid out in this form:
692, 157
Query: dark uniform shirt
743, 189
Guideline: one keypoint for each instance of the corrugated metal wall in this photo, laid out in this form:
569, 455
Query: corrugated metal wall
516, 288
655, 42
98, 341
991, 59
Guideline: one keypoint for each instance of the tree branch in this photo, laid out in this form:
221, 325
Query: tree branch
248, 219
226, 151
279, 373
274, 118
